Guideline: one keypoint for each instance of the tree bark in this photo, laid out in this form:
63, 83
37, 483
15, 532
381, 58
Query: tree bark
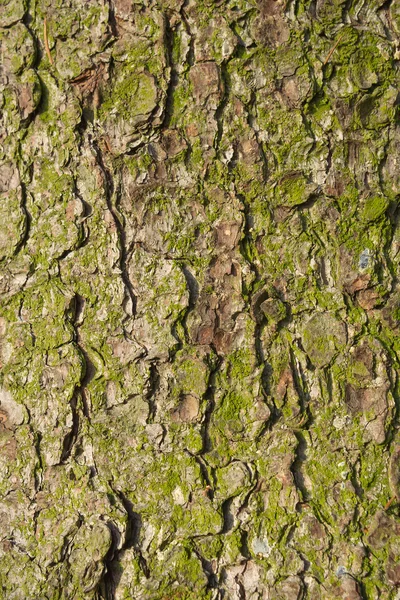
199, 331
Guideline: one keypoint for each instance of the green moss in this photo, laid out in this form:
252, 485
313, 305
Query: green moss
191, 439
241, 363
191, 373
195, 158
377, 109
179, 577
371, 62
180, 100
349, 43
374, 208
319, 108
55, 183
133, 94
200, 518
210, 546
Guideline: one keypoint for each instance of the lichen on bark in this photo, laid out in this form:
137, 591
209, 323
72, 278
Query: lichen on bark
199, 300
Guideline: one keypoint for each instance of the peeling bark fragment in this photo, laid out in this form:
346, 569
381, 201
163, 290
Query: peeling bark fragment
323, 337
205, 78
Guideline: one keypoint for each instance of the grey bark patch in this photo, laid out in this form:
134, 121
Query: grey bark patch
14, 412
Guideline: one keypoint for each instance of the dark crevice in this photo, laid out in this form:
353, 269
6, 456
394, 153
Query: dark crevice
190, 58
79, 402
207, 567
173, 75
87, 213
111, 575
193, 290
109, 189
192, 285
27, 225
27, 21
251, 120
209, 397
245, 243
132, 534
258, 345
244, 544
72, 435
112, 21
274, 417
346, 12
297, 466
299, 382
112, 572
208, 483
154, 381
37, 438
133, 151
256, 487
241, 588
386, 5
228, 519
222, 104
78, 304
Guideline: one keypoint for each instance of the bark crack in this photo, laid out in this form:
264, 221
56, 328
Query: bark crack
110, 192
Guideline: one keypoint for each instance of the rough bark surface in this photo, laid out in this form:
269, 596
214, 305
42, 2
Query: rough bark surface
199, 332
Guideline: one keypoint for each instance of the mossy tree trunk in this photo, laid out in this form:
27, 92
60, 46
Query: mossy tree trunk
199, 331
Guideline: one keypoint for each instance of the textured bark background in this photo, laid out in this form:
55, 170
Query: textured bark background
199, 239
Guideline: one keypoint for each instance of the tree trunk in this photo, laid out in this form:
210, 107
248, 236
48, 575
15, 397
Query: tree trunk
200, 304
